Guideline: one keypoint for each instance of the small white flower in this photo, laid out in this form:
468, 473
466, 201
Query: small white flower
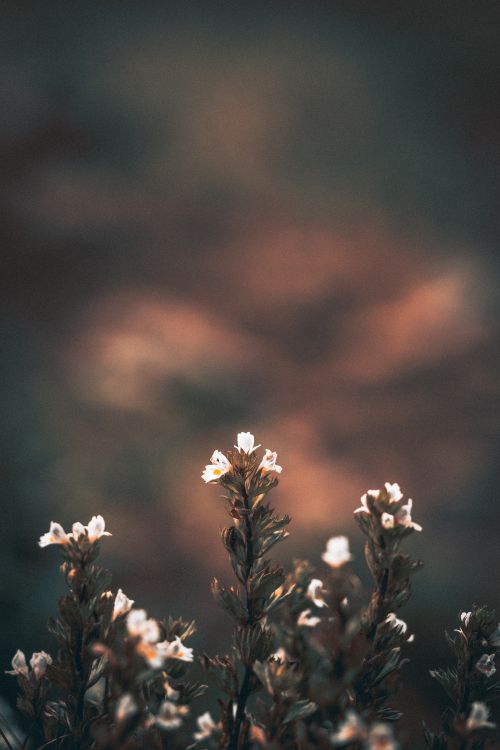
374, 494
337, 552
96, 528
78, 530
125, 707
206, 726
280, 654
139, 626
268, 463
478, 717
177, 650
39, 663
486, 665
169, 715
396, 623
306, 620
465, 618
394, 492
387, 521
314, 592
381, 737
350, 729
55, 535
219, 465
122, 604
403, 517
245, 443
19, 665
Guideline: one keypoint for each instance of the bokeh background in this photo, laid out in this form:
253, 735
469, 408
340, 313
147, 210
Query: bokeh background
277, 217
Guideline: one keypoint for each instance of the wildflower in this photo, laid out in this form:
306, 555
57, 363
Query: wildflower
374, 494
478, 717
139, 626
218, 467
245, 443
176, 650
280, 654
313, 592
402, 517
306, 620
381, 737
465, 618
394, 492
39, 662
206, 725
169, 715
396, 623
337, 552
122, 604
55, 535
18, 663
125, 707
77, 530
95, 528
486, 665
349, 730
268, 463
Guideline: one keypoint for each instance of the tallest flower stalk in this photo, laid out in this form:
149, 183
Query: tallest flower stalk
255, 530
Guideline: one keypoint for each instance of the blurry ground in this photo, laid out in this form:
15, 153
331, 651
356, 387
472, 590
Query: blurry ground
279, 218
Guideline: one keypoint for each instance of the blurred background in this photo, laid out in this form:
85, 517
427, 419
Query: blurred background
279, 217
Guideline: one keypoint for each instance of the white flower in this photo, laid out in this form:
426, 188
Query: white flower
169, 715
268, 463
350, 729
387, 521
486, 664
337, 552
55, 535
465, 618
139, 626
219, 465
394, 492
245, 443
78, 530
280, 654
125, 707
18, 664
176, 650
403, 517
396, 623
374, 494
122, 604
96, 528
206, 725
39, 663
306, 620
381, 737
478, 717
314, 592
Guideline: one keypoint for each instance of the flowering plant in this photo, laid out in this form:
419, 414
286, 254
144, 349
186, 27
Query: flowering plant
314, 663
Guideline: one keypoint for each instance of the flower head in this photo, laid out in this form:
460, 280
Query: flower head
122, 604
396, 623
55, 535
95, 528
305, 619
486, 665
177, 650
19, 665
217, 468
39, 662
393, 491
206, 726
170, 715
142, 627
478, 717
349, 730
314, 592
245, 443
465, 618
268, 462
364, 507
337, 552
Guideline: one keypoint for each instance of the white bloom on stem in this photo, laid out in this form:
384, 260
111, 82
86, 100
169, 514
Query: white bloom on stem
39, 662
394, 492
268, 463
176, 650
169, 715
245, 443
374, 494
337, 552
122, 604
306, 620
218, 467
78, 530
55, 535
125, 707
19, 665
486, 665
478, 717
96, 528
387, 520
314, 592
403, 517
381, 737
206, 726
140, 626
396, 623
350, 729
465, 618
